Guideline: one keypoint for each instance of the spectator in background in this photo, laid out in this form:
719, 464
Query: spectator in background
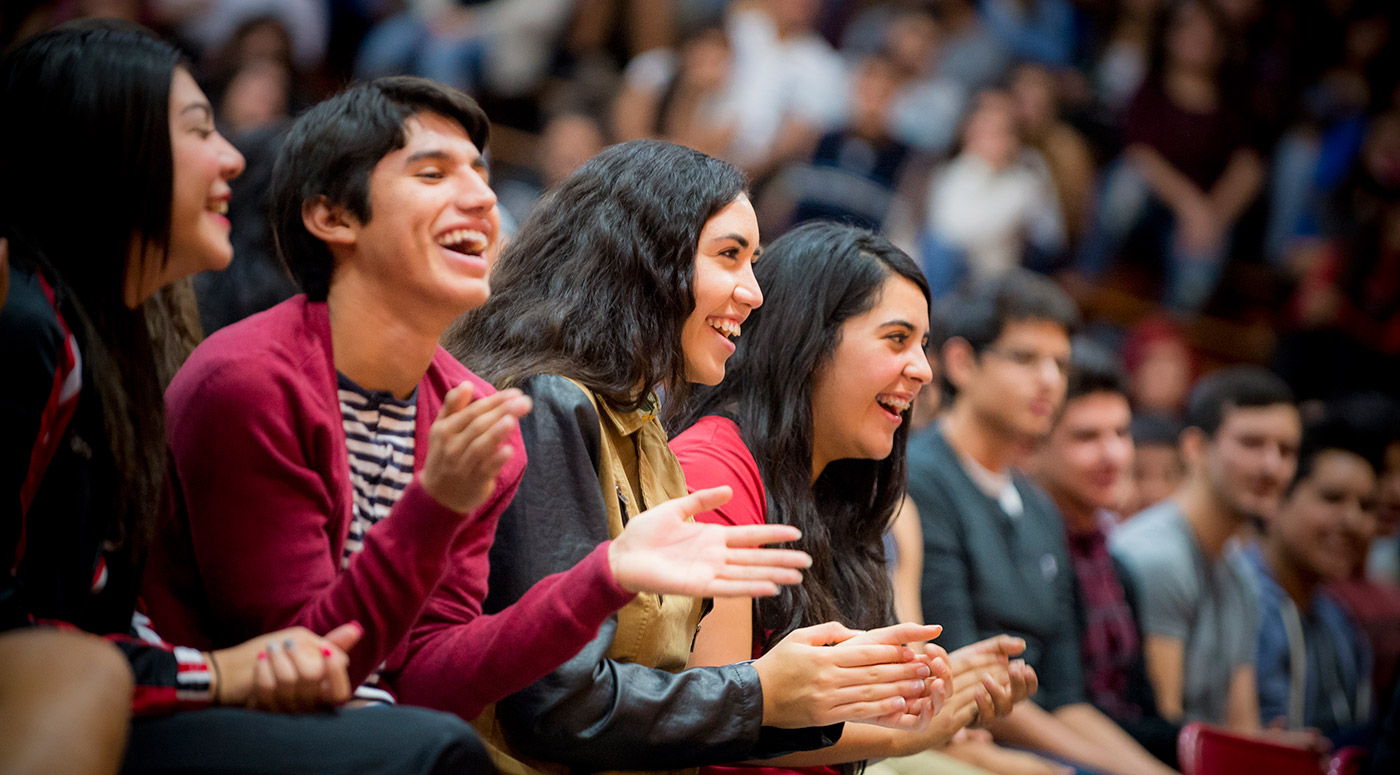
1314, 665
1382, 563
1198, 614
1374, 601
786, 87
504, 46
1346, 309
1040, 31
255, 79
1066, 152
210, 26
854, 172
972, 53
679, 96
1189, 171
994, 545
1084, 464
1158, 469
1317, 155
928, 108
569, 139
1123, 62
1161, 366
992, 207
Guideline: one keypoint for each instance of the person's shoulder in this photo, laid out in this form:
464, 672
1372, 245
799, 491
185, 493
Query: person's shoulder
556, 391
28, 318
276, 337
714, 439
275, 351
928, 448
1152, 535
1037, 502
707, 431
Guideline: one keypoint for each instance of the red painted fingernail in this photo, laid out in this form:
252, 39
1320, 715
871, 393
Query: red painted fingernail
262, 655
326, 650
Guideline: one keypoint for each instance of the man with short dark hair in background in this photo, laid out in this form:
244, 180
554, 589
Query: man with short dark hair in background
1085, 464
1195, 604
995, 558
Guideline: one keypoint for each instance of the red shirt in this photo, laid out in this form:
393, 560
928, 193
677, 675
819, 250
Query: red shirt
712, 453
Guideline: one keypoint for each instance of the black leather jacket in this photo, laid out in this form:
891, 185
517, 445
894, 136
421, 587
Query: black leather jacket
594, 713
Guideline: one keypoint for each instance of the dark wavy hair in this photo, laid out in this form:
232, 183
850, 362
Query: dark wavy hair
598, 284
88, 112
331, 150
814, 279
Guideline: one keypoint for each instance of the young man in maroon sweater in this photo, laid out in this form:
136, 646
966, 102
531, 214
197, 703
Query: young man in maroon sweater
330, 463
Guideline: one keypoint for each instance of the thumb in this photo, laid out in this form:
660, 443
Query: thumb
346, 636
700, 501
459, 397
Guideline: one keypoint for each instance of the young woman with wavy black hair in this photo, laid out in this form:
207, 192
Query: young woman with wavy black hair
809, 430
628, 279
112, 114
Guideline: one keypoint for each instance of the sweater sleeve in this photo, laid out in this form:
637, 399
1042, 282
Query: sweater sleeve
248, 463
592, 712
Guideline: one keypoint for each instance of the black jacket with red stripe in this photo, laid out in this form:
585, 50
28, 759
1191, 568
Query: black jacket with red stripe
57, 481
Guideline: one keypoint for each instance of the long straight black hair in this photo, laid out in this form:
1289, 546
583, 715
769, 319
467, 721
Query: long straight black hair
86, 161
598, 284
814, 279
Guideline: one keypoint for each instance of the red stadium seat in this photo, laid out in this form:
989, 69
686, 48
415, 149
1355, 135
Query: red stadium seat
1207, 750
1348, 761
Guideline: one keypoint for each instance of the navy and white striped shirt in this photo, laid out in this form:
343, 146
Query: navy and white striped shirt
379, 437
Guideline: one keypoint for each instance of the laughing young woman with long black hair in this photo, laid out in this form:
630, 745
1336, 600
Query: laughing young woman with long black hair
809, 430
115, 185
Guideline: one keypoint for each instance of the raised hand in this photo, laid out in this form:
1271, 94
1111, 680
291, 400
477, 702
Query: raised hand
660, 551
288, 671
466, 445
816, 676
992, 679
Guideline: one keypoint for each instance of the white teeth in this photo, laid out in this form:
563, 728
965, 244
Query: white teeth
896, 405
471, 240
725, 326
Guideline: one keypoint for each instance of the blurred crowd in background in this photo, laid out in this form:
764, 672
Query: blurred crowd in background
1214, 181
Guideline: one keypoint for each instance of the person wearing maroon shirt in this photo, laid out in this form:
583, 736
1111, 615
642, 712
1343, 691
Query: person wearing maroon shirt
1084, 463
1189, 167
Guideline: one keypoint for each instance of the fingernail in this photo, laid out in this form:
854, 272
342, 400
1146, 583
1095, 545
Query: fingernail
271, 646
262, 655
326, 651
923, 671
288, 644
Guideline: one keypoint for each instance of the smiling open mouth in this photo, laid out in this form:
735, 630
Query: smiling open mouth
894, 404
725, 326
468, 242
